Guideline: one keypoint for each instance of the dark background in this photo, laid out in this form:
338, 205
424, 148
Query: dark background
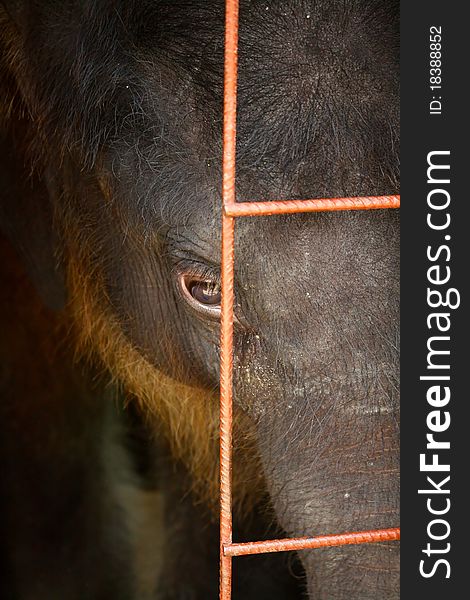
421, 133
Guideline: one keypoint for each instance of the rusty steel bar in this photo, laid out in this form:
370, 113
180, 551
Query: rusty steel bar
231, 210
226, 376
227, 265
276, 207
321, 541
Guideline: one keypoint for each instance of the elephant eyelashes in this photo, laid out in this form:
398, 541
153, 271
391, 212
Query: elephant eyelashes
201, 293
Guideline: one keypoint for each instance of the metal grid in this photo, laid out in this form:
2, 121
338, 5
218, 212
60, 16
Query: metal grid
230, 211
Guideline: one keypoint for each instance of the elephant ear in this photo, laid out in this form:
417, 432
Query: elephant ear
26, 213
13, 8
26, 219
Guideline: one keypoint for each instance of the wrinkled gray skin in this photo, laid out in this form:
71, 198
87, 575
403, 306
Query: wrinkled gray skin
317, 295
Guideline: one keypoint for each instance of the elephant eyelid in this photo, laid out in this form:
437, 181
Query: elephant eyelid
190, 272
198, 270
202, 294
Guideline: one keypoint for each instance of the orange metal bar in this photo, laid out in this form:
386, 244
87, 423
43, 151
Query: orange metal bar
226, 371
226, 325
276, 207
232, 209
321, 541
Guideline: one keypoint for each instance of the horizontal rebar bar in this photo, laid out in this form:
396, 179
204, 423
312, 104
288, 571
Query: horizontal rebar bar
305, 543
276, 207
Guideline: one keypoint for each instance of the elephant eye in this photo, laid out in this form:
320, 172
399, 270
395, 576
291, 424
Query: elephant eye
205, 292
202, 293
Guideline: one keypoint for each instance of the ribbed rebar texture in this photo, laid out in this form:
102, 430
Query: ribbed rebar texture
226, 327
321, 541
276, 207
231, 210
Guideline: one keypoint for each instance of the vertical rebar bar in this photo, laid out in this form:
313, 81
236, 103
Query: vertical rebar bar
226, 328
